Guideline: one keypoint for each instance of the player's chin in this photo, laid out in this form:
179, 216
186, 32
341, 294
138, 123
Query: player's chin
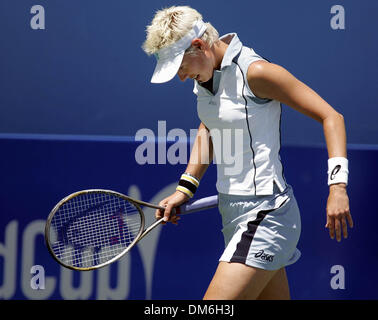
204, 78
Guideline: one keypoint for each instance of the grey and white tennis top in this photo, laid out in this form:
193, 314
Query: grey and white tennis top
245, 129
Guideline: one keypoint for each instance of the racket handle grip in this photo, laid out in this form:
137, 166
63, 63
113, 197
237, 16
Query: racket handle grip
197, 205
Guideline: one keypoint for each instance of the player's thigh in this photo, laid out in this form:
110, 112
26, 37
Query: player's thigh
237, 281
277, 288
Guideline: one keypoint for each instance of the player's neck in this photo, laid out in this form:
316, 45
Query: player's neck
219, 48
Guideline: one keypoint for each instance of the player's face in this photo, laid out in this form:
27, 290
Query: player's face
196, 66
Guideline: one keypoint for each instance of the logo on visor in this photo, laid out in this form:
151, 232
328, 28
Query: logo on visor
156, 54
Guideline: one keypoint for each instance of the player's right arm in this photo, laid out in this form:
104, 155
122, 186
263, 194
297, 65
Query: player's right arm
200, 158
202, 153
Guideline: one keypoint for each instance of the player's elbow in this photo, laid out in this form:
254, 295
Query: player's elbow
333, 119
338, 117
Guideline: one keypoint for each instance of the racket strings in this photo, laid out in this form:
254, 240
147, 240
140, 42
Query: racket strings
93, 228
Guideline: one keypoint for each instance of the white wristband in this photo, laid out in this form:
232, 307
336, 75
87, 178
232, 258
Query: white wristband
338, 170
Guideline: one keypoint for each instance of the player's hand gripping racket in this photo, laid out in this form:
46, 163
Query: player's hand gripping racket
90, 229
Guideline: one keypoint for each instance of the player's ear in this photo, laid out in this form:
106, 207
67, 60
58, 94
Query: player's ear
198, 43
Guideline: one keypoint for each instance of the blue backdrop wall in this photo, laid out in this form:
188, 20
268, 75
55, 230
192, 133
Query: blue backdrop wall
87, 68
74, 94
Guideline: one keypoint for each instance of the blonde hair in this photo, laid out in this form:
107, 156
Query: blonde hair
171, 24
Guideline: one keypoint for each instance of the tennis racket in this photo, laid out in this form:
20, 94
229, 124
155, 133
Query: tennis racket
90, 229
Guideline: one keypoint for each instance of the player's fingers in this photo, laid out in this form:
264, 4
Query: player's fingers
350, 220
159, 213
345, 228
338, 230
175, 220
331, 228
327, 223
167, 212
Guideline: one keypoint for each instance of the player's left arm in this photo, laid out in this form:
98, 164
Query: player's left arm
268, 80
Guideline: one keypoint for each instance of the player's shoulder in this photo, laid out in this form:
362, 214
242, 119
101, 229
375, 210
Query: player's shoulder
259, 69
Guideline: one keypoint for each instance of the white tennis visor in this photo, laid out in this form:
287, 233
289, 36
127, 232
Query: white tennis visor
169, 58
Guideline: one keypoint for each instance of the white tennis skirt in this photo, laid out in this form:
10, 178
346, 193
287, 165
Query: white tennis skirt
261, 231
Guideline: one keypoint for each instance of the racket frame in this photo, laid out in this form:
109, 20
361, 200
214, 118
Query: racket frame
141, 233
184, 209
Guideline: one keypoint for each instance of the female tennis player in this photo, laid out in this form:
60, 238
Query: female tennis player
240, 93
